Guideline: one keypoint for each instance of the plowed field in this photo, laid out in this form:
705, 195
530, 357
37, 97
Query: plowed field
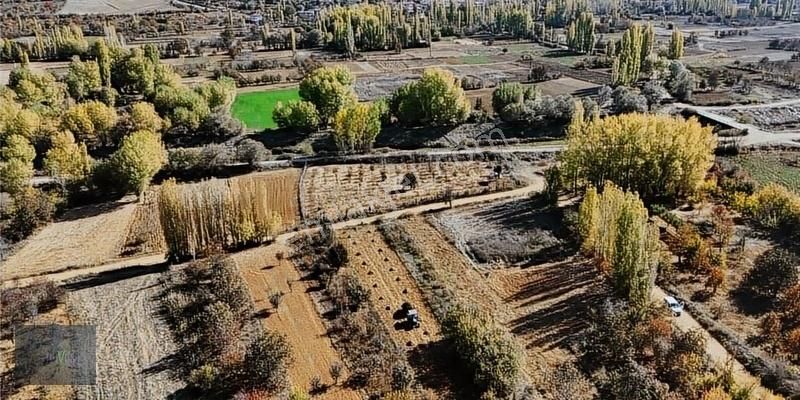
380, 268
296, 317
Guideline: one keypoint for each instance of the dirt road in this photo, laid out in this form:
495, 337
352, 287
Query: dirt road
154, 259
717, 353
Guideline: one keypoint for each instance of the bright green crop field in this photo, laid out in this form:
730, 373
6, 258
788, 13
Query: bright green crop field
254, 109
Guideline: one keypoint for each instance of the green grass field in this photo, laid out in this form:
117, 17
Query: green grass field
769, 167
254, 109
475, 59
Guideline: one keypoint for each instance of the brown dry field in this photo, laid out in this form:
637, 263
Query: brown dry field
347, 191
296, 317
83, 237
58, 315
543, 306
565, 85
144, 234
380, 269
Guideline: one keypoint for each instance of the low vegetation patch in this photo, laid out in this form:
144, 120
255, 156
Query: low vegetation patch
254, 109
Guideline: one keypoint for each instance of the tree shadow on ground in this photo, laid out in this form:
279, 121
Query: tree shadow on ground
438, 367
571, 289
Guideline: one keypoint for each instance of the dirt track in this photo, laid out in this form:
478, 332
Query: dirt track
133, 343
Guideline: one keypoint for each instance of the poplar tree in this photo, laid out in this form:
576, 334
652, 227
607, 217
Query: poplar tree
629, 61
580, 33
676, 45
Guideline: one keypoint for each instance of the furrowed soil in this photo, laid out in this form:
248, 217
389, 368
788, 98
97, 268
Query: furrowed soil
83, 237
133, 341
543, 306
380, 268
296, 317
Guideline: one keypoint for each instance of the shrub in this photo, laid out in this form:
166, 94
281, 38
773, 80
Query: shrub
203, 377
266, 363
773, 273
251, 152
772, 206
297, 115
30, 209
490, 353
21, 304
347, 291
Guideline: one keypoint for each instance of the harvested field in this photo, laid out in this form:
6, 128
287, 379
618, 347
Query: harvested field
115, 6
133, 341
83, 237
509, 231
346, 191
380, 269
543, 305
572, 86
296, 317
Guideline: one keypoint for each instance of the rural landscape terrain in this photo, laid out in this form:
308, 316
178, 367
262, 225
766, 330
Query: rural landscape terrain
433, 199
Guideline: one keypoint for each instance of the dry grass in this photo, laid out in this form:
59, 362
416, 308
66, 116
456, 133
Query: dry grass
146, 237
296, 317
347, 191
83, 237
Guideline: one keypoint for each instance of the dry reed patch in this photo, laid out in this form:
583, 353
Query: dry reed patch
83, 237
339, 192
296, 317
380, 269
144, 233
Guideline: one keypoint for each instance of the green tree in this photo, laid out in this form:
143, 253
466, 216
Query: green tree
648, 41
138, 159
18, 147
486, 349
67, 160
614, 228
34, 88
580, 33
676, 45
219, 94
83, 78
91, 121
629, 60
133, 73
435, 99
299, 115
104, 60
143, 116
356, 127
184, 107
15, 175
329, 89
654, 155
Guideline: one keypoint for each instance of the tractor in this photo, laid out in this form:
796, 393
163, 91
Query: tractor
411, 315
